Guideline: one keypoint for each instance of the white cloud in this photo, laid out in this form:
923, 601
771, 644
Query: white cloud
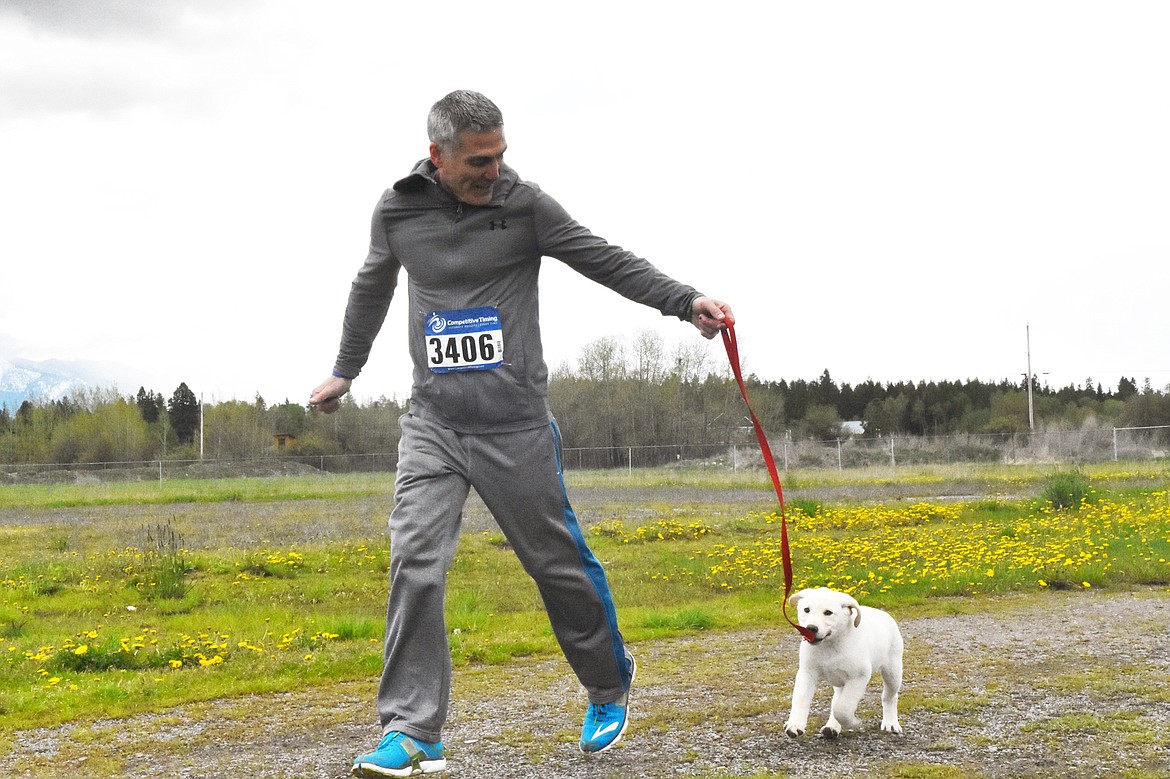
118, 19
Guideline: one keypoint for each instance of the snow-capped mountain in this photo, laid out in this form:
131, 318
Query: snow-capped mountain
22, 380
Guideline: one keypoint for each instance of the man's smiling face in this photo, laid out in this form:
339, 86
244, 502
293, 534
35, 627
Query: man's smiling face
471, 169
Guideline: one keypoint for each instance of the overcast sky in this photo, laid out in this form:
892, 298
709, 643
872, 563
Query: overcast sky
887, 190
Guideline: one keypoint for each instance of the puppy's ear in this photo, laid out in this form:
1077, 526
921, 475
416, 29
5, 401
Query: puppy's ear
852, 605
795, 597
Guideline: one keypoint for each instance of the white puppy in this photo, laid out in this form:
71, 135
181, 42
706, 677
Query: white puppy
850, 643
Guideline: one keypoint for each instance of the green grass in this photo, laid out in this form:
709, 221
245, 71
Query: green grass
343, 486
176, 491
104, 618
1068, 491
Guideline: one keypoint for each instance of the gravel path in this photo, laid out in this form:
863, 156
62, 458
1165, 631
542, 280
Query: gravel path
1053, 685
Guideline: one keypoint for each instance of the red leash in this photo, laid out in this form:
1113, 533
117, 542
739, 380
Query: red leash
729, 343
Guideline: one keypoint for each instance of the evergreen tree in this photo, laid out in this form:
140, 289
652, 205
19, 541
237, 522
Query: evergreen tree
150, 405
183, 408
825, 392
797, 399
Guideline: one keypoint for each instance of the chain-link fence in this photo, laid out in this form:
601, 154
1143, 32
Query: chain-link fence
1056, 446
1071, 447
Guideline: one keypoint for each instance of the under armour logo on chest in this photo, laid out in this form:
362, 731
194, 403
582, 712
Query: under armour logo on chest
502, 224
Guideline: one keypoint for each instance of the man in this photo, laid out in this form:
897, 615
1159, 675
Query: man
470, 235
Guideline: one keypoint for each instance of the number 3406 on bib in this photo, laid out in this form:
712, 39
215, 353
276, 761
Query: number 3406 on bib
469, 339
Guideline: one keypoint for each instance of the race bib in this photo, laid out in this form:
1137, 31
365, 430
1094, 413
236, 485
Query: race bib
470, 339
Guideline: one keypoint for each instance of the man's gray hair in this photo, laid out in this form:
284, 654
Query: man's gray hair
460, 111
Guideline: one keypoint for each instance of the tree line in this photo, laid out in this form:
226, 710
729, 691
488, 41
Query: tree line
103, 426
623, 394
619, 394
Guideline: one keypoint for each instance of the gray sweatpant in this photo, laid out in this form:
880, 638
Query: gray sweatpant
518, 476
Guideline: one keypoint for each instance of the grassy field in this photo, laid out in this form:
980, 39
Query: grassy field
125, 598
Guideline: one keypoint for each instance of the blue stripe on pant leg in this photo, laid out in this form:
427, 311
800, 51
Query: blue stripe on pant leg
593, 569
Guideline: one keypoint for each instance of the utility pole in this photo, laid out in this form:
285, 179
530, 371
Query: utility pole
1028, 377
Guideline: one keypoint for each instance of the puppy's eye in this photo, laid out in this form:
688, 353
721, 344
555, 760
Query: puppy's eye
828, 613
807, 609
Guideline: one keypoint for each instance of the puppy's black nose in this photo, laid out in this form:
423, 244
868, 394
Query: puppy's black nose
813, 629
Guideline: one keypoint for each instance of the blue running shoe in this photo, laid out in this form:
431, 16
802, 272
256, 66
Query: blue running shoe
400, 755
606, 722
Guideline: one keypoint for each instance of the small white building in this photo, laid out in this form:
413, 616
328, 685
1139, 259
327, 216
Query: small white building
853, 427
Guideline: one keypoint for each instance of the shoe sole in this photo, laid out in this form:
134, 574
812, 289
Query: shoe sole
372, 771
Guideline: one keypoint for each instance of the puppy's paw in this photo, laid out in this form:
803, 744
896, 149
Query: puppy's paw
847, 722
891, 727
792, 731
830, 731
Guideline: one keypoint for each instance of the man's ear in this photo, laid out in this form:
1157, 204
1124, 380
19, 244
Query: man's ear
436, 155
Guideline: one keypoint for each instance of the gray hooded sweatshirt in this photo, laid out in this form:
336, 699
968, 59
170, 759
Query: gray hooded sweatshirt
472, 274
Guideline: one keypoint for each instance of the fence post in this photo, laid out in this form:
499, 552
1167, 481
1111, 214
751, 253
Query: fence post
839, 455
892, 463
1115, 444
